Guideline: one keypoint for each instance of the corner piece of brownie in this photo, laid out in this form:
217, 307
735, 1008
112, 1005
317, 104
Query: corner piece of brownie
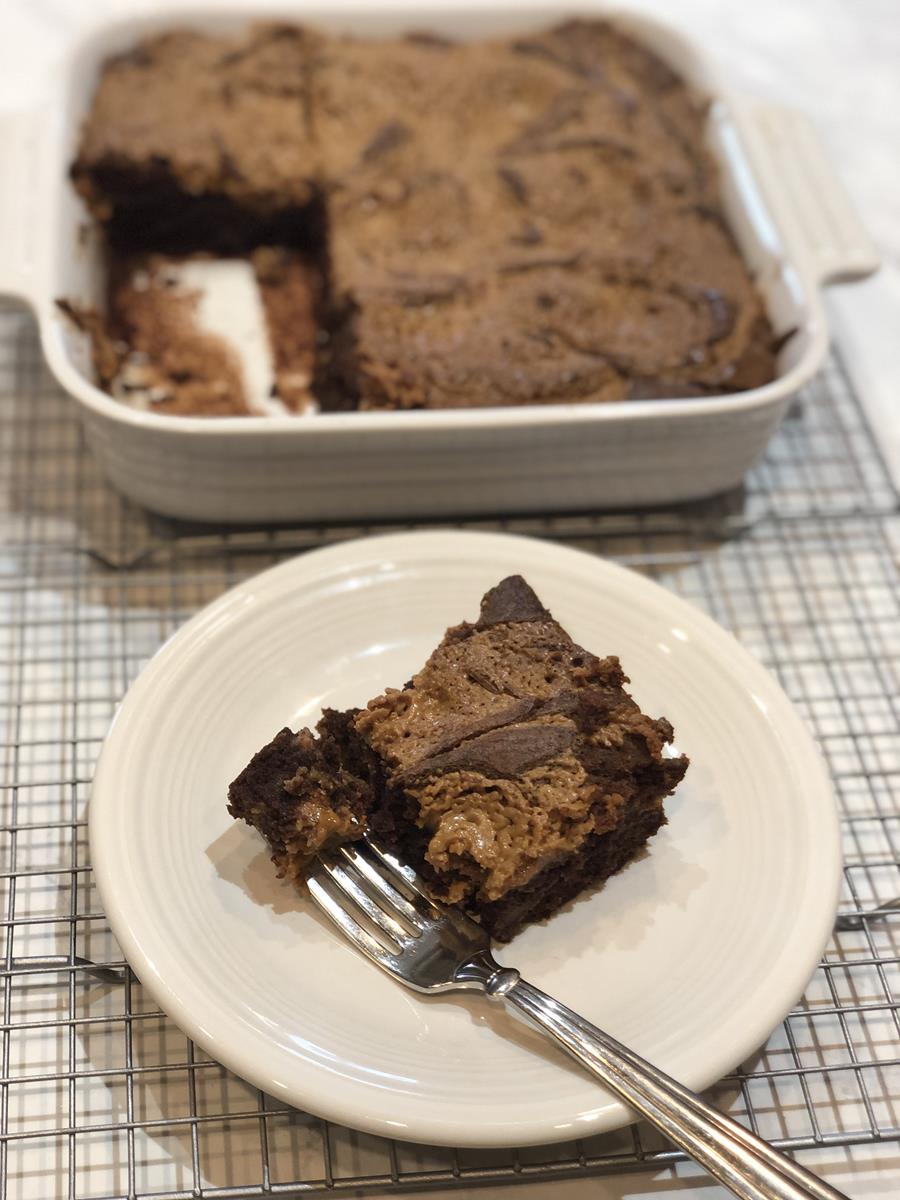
512, 771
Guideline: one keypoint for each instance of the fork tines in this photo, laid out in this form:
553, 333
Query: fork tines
363, 881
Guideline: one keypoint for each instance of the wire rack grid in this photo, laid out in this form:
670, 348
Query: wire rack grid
102, 1096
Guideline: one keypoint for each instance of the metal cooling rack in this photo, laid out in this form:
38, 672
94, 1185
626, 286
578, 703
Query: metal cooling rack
101, 1092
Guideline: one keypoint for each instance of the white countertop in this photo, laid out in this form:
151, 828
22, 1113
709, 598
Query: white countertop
839, 62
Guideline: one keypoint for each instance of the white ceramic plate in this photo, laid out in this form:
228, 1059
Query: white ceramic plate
691, 955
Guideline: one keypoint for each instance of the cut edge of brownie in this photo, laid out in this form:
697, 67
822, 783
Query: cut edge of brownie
149, 210
290, 783
298, 794
600, 856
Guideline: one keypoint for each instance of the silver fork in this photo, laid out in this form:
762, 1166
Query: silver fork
383, 908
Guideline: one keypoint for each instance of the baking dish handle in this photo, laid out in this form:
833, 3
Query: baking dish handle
807, 195
19, 199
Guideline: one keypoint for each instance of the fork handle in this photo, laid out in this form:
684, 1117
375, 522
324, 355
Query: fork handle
750, 1167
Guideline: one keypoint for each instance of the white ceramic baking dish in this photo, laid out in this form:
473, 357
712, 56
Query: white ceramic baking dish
789, 213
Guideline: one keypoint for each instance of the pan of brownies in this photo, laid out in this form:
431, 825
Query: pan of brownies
399, 262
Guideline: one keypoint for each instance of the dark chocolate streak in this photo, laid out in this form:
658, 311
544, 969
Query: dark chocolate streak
511, 600
723, 313
564, 263
435, 41
562, 57
416, 290
461, 730
520, 715
515, 183
505, 752
588, 142
388, 137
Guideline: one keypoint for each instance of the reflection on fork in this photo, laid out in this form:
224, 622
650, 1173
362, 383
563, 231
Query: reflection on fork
858, 920
63, 962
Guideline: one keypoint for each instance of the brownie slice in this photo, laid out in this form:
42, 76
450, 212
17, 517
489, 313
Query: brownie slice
203, 143
512, 771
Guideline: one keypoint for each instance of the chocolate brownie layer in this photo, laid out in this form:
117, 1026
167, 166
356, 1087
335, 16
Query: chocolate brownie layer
292, 291
512, 770
512, 221
157, 350
300, 797
202, 139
